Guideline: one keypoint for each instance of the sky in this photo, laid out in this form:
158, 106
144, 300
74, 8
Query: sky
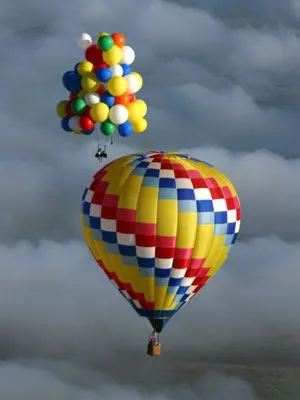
222, 82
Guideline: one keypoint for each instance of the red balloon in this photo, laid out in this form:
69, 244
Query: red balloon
101, 90
131, 97
86, 123
72, 96
93, 54
86, 112
124, 99
119, 39
68, 109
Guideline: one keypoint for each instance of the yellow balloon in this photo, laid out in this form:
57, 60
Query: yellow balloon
99, 112
89, 82
117, 85
81, 93
77, 133
136, 110
61, 108
140, 125
84, 67
102, 34
113, 56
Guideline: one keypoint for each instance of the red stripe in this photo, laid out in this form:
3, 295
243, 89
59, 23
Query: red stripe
164, 252
143, 228
125, 226
108, 212
126, 214
145, 240
110, 200
165, 241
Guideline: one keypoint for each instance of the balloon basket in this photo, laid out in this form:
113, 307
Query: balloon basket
153, 350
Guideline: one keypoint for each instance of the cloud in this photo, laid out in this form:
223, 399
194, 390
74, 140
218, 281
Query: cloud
63, 381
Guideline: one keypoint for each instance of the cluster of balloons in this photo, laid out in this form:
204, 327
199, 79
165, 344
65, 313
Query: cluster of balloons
103, 89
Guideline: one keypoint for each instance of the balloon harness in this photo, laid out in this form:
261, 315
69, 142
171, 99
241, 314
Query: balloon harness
102, 148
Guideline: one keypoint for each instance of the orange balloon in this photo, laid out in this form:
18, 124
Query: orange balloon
124, 99
119, 39
131, 97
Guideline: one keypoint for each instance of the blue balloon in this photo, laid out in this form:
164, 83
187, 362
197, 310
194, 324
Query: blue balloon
125, 129
104, 74
65, 124
126, 69
76, 66
108, 99
88, 132
72, 81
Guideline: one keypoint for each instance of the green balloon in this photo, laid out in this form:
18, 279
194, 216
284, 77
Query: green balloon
78, 106
108, 128
105, 42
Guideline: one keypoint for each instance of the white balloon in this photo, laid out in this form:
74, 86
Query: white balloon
74, 123
133, 82
116, 70
128, 55
118, 114
84, 40
91, 98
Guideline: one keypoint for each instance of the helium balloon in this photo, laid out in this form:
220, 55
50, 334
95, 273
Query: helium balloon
104, 74
68, 109
74, 123
78, 106
101, 89
86, 123
81, 94
117, 85
131, 97
140, 125
134, 82
88, 132
92, 98
84, 41
116, 70
125, 129
128, 55
136, 110
108, 99
72, 81
99, 112
126, 69
124, 99
84, 67
90, 82
108, 128
65, 124
118, 114
113, 56
61, 108
105, 42
94, 54
119, 39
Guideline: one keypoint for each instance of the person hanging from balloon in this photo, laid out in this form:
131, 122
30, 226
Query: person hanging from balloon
102, 91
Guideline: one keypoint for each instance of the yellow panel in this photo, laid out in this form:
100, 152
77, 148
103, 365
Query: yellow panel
203, 240
130, 192
167, 217
147, 205
186, 233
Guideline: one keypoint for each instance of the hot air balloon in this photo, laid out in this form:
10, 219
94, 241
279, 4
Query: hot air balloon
159, 225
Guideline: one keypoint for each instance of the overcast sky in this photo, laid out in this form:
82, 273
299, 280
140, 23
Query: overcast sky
222, 82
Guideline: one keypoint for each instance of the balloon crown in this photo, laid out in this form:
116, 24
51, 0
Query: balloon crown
102, 89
